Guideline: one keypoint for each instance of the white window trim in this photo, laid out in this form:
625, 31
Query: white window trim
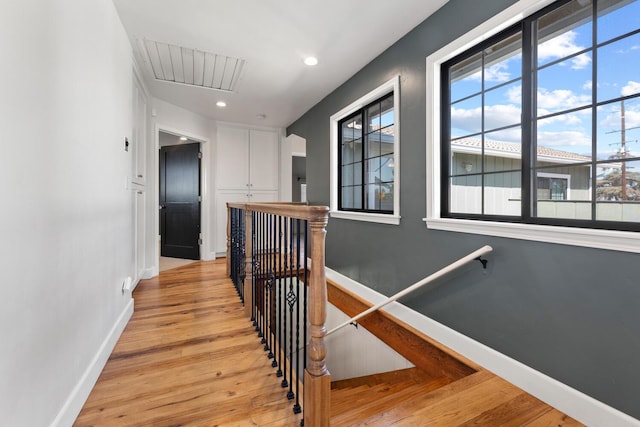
393, 85
592, 238
566, 177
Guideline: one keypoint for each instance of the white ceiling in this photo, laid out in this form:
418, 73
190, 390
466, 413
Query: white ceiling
273, 37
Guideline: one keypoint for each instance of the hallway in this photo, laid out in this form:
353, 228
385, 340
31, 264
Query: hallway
188, 357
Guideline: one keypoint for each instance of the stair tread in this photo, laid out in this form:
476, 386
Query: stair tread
346, 399
391, 377
387, 402
457, 403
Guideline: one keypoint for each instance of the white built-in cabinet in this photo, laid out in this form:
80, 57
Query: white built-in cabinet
137, 150
246, 171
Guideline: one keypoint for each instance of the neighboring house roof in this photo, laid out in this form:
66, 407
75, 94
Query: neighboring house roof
512, 149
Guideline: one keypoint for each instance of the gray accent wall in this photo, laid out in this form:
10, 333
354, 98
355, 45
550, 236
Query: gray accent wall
572, 313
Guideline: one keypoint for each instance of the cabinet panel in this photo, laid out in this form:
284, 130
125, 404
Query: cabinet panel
222, 198
138, 142
225, 196
259, 196
263, 160
232, 166
138, 233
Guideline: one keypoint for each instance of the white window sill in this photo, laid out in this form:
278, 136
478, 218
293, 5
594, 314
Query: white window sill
365, 216
625, 241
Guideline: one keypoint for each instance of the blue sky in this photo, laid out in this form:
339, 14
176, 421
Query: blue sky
563, 86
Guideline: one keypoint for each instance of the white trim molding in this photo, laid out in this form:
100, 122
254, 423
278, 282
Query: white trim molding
76, 400
206, 254
601, 239
572, 402
391, 86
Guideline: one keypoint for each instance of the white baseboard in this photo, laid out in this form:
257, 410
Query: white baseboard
76, 400
572, 402
147, 273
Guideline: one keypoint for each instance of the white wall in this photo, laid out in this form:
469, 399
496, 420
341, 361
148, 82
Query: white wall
346, 358
66, 220
292, 145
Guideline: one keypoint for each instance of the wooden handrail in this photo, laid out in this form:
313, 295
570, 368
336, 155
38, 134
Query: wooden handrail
454, 265
317, 379
291, 210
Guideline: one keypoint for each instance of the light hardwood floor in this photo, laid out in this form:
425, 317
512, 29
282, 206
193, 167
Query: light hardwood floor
188, 357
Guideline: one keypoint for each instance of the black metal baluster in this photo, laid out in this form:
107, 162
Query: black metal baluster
296, 408
231, 215
263, 267
260, 266
291, 300
269, 286
272, 297
265, 276
305, 304
234, 246
285, 383
243, 251
278, 335
254, 266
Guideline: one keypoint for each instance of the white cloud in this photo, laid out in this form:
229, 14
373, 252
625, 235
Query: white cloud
507, 135
580, 61
497, 73
467, 119
560, 99
495, 116
632, 118
571, 119
494, 73
514, 94
612, 120
561, 46
588, 85
501, 115
630, 88
564, 139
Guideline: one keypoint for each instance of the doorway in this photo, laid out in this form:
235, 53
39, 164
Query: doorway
180, 199
298, 179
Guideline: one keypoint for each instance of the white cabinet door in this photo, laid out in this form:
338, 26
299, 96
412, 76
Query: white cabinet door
138, 234
138, 142
232, 165
263, 160
259, 196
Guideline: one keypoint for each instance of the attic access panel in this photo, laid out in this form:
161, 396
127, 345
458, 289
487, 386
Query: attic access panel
183, 65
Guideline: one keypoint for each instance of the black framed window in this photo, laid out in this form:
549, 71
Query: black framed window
541, 123
366, 142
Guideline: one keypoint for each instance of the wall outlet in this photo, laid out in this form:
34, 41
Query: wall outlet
126, 284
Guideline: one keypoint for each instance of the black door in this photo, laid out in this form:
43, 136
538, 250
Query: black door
180, 201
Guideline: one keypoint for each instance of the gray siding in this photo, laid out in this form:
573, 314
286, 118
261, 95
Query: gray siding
569, 312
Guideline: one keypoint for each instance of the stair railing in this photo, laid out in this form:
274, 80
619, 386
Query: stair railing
272, 249
473, 256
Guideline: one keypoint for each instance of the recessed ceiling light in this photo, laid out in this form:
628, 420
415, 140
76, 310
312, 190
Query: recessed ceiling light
311, 60
221, 104
261, 116
183, 138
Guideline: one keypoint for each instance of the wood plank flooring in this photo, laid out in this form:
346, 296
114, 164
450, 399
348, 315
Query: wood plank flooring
188, 357
411, 398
